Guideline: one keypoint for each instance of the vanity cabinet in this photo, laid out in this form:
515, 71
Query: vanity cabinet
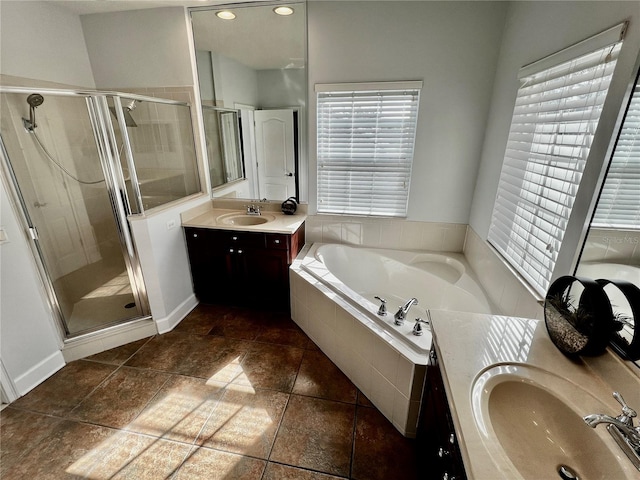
242, 268
436, 437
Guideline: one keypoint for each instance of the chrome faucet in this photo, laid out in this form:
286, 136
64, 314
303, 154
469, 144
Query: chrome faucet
253, 209
621, 428
401, 314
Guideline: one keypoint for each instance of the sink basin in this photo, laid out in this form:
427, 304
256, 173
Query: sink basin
244, 220
532, 419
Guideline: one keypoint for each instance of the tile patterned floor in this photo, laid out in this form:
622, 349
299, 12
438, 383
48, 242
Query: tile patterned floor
229, 394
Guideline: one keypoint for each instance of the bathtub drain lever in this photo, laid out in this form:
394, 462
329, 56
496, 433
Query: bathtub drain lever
382, 311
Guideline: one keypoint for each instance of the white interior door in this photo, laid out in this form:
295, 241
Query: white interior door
275, 151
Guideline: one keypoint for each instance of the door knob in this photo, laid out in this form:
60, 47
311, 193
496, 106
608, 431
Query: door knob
288, 174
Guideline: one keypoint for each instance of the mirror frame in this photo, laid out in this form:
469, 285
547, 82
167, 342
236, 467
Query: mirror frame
627, 350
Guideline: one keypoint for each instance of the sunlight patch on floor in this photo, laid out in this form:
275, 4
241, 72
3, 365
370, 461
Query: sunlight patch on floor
171, 428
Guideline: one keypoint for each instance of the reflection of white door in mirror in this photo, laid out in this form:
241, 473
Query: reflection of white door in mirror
248, 133
275, 150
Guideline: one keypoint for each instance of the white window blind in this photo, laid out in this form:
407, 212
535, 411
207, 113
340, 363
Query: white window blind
366, 136
554, 120
619, 203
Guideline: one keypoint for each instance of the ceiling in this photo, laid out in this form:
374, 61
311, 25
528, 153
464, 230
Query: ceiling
257, 37
86, 7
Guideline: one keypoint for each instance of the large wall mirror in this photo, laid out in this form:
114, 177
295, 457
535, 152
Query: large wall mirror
612, 247
251, 62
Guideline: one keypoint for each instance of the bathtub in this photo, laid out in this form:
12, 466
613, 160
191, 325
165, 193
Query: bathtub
332, 300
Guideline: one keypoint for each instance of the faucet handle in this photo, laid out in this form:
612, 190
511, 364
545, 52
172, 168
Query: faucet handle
382, 311
417, 328
627, 411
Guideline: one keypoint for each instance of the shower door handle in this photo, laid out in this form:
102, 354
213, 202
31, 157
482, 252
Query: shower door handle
125, 203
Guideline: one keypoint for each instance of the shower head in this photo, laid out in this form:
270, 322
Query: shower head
34, 100
127, 109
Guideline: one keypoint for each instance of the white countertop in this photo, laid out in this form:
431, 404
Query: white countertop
208, 218
469, 344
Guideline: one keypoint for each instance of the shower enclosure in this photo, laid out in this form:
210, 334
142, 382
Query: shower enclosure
78, 164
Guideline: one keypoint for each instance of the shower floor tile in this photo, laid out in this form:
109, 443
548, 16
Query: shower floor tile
213, 399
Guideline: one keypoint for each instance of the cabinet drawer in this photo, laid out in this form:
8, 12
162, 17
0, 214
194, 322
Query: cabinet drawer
240, 239
277, 240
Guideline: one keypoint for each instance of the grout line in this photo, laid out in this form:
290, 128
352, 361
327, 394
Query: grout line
353, 441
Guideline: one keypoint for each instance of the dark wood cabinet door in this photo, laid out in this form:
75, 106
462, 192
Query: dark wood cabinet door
242, 268
436, 436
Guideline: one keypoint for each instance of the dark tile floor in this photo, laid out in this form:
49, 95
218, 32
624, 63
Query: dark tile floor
229, 394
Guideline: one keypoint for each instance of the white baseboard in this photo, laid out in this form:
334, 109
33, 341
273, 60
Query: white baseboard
39, 373
77, 348
169, 322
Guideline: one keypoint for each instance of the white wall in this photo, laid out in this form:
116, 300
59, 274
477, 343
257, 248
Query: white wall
205, 76
28, 342
163, 256
234, 82
45, 42
534, 30
139, 48
451, 46
282, 88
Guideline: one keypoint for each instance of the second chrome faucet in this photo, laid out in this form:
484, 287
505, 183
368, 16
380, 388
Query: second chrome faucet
401, 314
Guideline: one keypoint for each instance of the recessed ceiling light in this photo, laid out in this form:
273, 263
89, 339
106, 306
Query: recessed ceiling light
226, 15
284, 11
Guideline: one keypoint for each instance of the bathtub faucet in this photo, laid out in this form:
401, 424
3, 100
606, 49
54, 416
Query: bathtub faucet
401, 314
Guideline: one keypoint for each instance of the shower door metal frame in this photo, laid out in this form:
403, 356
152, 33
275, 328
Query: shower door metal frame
106, 146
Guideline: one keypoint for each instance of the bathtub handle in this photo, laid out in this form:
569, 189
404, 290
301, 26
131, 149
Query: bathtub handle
382, 311
417, 328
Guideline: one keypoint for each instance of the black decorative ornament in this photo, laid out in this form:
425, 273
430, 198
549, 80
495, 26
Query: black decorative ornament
289, 206
625, 327
582, 326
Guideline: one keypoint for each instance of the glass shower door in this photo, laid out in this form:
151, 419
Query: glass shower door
79, 234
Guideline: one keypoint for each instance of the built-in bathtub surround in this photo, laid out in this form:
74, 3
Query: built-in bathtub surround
386, 233
333, 303
500, 283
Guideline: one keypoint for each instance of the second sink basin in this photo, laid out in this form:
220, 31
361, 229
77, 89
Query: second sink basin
527, 415
242, 219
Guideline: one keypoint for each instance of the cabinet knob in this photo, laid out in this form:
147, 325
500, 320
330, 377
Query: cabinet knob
442, 452
195, 235
452, 438
234, 238
276, 241
231, 250
239, 251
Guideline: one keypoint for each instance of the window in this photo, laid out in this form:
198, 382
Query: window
554, 121
366, 136
619, 203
